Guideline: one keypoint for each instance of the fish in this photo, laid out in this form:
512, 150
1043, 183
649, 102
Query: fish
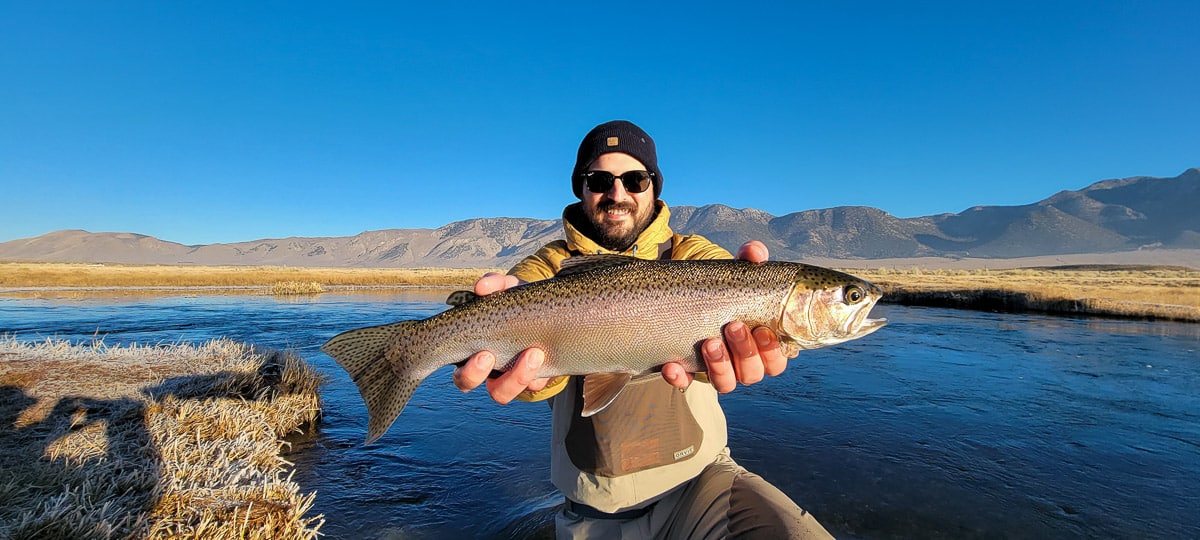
609, 318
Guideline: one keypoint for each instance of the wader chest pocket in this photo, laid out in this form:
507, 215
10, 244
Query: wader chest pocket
650, 424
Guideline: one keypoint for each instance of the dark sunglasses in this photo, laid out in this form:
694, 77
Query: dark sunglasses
602, 181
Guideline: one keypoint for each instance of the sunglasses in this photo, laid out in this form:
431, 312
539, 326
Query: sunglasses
602, 181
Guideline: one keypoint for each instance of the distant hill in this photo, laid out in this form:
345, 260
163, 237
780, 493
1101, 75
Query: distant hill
1110, 216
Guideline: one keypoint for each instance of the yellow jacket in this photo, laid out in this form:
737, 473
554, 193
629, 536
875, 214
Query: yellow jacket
607, 461
658, 236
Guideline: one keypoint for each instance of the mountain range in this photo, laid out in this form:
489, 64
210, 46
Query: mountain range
1120, 215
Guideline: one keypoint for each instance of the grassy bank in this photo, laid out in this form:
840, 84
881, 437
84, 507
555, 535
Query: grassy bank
1170, 293
78, 275
1117, 291
172, 441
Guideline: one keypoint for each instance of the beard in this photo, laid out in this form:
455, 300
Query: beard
619, 236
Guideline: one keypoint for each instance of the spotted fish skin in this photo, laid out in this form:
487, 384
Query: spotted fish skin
605, 315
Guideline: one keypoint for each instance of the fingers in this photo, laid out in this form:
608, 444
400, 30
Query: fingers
678, 377
521, 377
746, 361
492, 282
744, 356
720, 369
474, 371
753, 251
503, 388
773, 358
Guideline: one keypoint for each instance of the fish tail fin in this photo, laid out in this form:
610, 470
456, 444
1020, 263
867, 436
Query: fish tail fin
362, 354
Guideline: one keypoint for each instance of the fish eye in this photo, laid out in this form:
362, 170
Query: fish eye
854, 294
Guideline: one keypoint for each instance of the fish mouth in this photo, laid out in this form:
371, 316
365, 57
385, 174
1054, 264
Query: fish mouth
870, 325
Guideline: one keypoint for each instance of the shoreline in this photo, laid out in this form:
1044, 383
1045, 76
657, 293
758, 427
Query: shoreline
214, 289
153, 441
1121, 290
992, 300
1002, 301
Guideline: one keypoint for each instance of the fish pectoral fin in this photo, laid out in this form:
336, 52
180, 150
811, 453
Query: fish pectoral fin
600, 389
789, 347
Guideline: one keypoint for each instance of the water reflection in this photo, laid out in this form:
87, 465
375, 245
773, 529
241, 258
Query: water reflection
946, 424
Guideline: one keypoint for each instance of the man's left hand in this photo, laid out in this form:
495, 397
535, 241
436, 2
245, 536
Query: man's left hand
744, 356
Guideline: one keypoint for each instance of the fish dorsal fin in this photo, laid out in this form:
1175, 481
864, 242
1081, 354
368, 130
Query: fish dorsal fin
458, 298
600, 389
587, 263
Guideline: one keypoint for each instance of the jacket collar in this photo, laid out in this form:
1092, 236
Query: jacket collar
646, 246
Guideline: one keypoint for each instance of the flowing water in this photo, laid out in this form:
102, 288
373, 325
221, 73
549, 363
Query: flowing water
945, 424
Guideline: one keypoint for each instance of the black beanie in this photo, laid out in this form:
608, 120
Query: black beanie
616, 136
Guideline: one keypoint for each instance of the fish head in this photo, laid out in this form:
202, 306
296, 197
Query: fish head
826, 307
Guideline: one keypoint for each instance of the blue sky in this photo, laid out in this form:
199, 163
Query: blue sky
202, 122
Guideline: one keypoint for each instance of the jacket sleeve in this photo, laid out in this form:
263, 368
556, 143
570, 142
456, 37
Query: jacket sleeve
543, 264
552, 388
695, 246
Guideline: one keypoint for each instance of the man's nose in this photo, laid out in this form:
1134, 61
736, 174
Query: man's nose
617, 192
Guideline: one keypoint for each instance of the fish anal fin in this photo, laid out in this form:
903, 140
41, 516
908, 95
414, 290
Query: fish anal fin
588, 263
600, 389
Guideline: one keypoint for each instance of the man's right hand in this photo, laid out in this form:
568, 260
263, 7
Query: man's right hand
523, 376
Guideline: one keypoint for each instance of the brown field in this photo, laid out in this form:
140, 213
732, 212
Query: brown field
80, 275
1151, 292
174, 441
1157, 292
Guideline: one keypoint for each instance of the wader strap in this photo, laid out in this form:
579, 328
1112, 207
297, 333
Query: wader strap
664, 249
591, 512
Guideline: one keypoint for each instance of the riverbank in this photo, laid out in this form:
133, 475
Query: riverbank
1126, 291
14, 275
172, 441
1137, 291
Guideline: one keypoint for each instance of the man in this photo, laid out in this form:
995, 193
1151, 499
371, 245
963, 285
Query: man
654, 463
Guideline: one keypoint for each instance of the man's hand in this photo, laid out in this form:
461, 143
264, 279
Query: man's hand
505, 387
744, 355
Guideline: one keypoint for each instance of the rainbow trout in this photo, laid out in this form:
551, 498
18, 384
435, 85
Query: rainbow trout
610, 318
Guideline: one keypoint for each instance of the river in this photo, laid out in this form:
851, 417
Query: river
944, 424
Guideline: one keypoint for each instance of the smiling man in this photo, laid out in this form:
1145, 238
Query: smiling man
616, 199
653, 463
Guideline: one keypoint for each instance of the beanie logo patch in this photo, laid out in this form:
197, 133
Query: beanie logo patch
612, 141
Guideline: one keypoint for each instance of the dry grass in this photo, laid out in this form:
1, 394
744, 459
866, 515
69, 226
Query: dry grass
1124, 291
173, 441
15, 275
292, 288
1128, 291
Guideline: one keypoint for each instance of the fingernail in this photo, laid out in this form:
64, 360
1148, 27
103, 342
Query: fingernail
715, 350
671, 376
536, 359
739, 330
485, 361
762, 339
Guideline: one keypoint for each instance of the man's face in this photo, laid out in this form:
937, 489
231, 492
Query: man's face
618, 216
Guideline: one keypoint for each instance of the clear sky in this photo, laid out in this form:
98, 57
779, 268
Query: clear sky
203, 122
